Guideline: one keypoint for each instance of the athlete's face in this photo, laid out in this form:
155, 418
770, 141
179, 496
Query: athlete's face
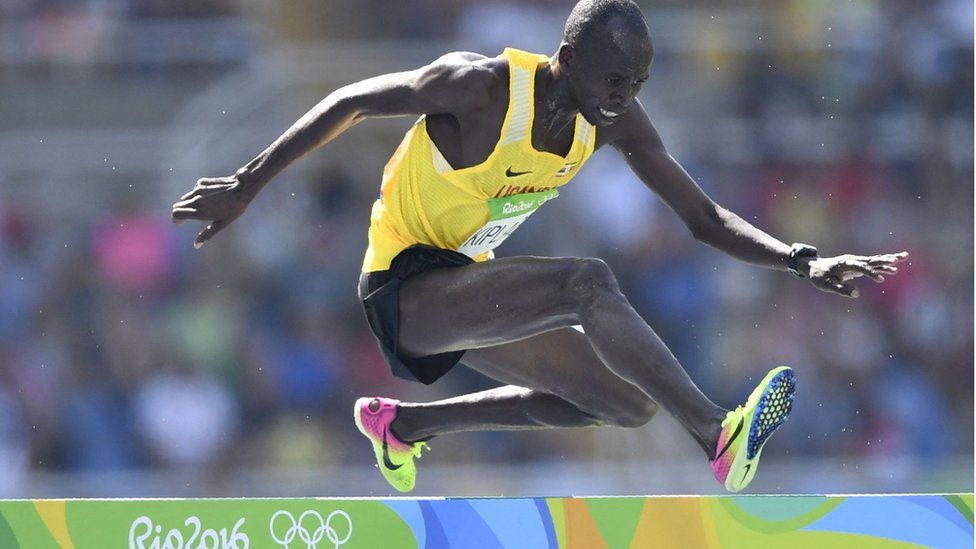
605, 79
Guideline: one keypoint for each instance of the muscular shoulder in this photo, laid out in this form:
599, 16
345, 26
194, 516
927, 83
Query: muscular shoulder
462, 80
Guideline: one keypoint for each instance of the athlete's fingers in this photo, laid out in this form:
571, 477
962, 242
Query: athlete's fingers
203, 210
847, 276
887, 259
203, 192
880, 261
898, 256
856, 266
208, 233
204, 185
873, 276
190, 194
858, 269
187, 202
181, 214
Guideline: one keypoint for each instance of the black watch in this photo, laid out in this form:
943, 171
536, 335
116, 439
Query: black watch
797, 251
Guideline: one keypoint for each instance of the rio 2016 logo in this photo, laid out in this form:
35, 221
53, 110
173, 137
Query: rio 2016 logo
310, 529
143, 529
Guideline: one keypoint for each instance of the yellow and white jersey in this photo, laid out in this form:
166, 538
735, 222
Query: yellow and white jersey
471, 210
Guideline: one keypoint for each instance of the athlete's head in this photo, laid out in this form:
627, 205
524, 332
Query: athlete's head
606, 54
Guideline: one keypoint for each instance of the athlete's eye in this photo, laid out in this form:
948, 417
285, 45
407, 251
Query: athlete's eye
613, 80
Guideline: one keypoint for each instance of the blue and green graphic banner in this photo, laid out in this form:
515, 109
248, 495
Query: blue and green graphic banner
944, 521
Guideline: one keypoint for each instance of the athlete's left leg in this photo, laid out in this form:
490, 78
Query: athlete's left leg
554, 379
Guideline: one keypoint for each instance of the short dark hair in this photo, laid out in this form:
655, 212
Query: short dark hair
590, 16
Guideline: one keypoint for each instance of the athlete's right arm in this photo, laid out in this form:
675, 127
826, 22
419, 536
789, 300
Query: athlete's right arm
452, 84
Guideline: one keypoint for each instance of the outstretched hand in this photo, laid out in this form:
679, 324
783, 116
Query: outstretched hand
833, 274
219, 200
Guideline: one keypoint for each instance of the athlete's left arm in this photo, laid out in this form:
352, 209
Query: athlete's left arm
635, 137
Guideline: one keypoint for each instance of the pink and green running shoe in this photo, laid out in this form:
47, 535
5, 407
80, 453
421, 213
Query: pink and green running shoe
747, 428
374, 415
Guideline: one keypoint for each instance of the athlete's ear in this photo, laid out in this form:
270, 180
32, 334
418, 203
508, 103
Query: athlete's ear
565, 55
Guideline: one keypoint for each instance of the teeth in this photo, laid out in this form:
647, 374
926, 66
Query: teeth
609, 114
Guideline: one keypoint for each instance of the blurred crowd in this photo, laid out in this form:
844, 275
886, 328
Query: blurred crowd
123, 348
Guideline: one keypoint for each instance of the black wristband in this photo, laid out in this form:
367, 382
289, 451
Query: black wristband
797, 251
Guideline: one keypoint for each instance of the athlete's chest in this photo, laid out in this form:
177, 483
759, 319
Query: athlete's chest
468, 140
520, 173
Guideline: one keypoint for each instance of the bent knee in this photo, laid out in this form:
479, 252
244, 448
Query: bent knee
589, 277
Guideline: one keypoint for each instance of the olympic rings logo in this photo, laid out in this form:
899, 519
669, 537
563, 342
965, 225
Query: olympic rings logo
310, 534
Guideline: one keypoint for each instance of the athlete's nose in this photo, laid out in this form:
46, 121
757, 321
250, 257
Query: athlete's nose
620, 104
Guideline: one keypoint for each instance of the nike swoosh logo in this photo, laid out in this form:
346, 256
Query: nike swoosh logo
510, 173
748, 465
728, 443
386, 455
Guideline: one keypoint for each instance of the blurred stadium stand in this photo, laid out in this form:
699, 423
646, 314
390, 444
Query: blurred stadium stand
131, 365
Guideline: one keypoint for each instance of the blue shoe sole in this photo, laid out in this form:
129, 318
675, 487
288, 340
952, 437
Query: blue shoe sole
773, 409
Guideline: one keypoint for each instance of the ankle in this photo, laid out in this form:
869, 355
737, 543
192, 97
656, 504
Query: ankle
405, 431
400, 430
710, 433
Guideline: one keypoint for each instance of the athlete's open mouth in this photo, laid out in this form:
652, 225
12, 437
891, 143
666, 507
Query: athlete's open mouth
610, 114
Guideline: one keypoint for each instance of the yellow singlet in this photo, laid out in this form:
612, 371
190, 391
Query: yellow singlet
471, 210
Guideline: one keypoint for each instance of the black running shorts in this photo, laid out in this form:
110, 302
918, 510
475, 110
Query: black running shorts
380, 293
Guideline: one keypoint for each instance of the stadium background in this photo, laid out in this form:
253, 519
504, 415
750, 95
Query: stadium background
132, 365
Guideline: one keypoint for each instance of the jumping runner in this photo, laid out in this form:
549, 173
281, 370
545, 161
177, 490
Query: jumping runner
496, 138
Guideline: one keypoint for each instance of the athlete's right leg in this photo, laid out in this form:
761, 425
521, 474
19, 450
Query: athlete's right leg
553, 379
507, 300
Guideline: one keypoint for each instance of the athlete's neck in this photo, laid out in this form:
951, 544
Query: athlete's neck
555, 107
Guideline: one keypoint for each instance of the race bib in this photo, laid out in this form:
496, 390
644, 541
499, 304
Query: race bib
504, 216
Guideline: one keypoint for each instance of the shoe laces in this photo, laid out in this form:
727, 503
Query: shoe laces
731, 414
418, 448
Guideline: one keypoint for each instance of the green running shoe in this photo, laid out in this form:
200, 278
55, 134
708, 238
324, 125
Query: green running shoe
747, 428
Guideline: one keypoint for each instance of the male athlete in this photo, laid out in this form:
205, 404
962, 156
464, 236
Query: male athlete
496, 138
